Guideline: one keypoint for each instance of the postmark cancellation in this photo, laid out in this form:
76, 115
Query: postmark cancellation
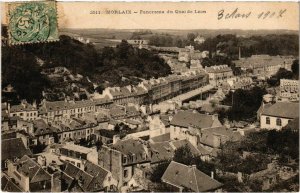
32, 22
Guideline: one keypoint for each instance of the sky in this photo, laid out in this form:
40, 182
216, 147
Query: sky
78, 15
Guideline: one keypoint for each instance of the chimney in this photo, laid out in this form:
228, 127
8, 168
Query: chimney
8, 108
34, 104
212, 175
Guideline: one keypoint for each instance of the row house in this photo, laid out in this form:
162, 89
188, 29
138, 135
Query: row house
237, 83
24, 110
58, 110
289, 90
125, 95
265, 65
218, 74
76, 130
193, 80
168, 87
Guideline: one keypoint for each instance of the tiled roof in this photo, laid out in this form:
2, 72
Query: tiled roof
282, 109
189, 177
11, 148
192, 119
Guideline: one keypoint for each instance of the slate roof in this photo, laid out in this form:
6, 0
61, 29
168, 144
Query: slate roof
42, 128
77, 148
11, 148
161, 151
161, 138
78, 175
193, 119
132, 147
24, 107
195, 150
89, 180
208, 137
189, 177
282, 109
32, 169
99, 174
8, 186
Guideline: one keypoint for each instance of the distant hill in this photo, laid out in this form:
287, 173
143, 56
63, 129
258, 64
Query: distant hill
123, 65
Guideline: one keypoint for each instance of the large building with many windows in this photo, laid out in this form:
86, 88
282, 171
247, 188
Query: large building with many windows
218, 74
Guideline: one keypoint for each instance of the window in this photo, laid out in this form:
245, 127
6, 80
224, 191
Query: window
268, 120
125, 173
278, 122
78, 165
124, 159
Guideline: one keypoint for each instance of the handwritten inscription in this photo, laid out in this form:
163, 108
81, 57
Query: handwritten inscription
145, 12
238, 14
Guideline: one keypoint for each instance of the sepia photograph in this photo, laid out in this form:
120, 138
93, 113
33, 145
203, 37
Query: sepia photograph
149, 96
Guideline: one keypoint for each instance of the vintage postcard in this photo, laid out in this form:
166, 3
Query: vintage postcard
149, 96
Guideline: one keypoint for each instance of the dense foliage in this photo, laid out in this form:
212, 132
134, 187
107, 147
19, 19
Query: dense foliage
22, 65
121, 64
273, 44
270, 44
185, 156
21, 70
283, 73
285, 143
245, 103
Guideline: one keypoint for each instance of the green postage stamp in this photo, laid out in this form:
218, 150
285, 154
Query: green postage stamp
32, 22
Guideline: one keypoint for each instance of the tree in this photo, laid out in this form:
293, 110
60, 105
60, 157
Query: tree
158, 171
245, 103
191, 37
184, 155
282, 73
